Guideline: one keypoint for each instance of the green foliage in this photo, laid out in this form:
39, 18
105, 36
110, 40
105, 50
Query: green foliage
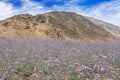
27, 74
73, 75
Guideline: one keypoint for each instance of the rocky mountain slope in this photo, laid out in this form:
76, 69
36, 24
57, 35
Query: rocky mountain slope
62, 25
113, 29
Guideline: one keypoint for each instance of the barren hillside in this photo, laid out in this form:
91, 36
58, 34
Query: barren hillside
62, 25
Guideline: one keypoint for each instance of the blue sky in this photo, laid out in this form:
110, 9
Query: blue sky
106, 10
51, 3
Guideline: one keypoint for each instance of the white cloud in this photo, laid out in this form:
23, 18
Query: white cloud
108, 11
6, 10
29, 7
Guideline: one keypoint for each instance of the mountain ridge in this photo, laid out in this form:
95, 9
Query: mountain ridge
62, 25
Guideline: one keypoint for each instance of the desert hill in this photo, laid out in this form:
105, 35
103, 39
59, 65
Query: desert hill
62, 25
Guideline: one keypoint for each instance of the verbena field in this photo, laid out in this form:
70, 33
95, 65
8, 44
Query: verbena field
59, 60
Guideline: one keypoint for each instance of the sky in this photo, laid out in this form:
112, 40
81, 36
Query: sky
106, 10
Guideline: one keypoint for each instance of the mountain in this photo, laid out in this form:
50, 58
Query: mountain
113, 29
62, 25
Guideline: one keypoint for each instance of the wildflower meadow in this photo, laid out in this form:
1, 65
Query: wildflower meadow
59, 60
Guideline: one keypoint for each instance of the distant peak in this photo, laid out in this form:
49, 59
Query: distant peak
60, 12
